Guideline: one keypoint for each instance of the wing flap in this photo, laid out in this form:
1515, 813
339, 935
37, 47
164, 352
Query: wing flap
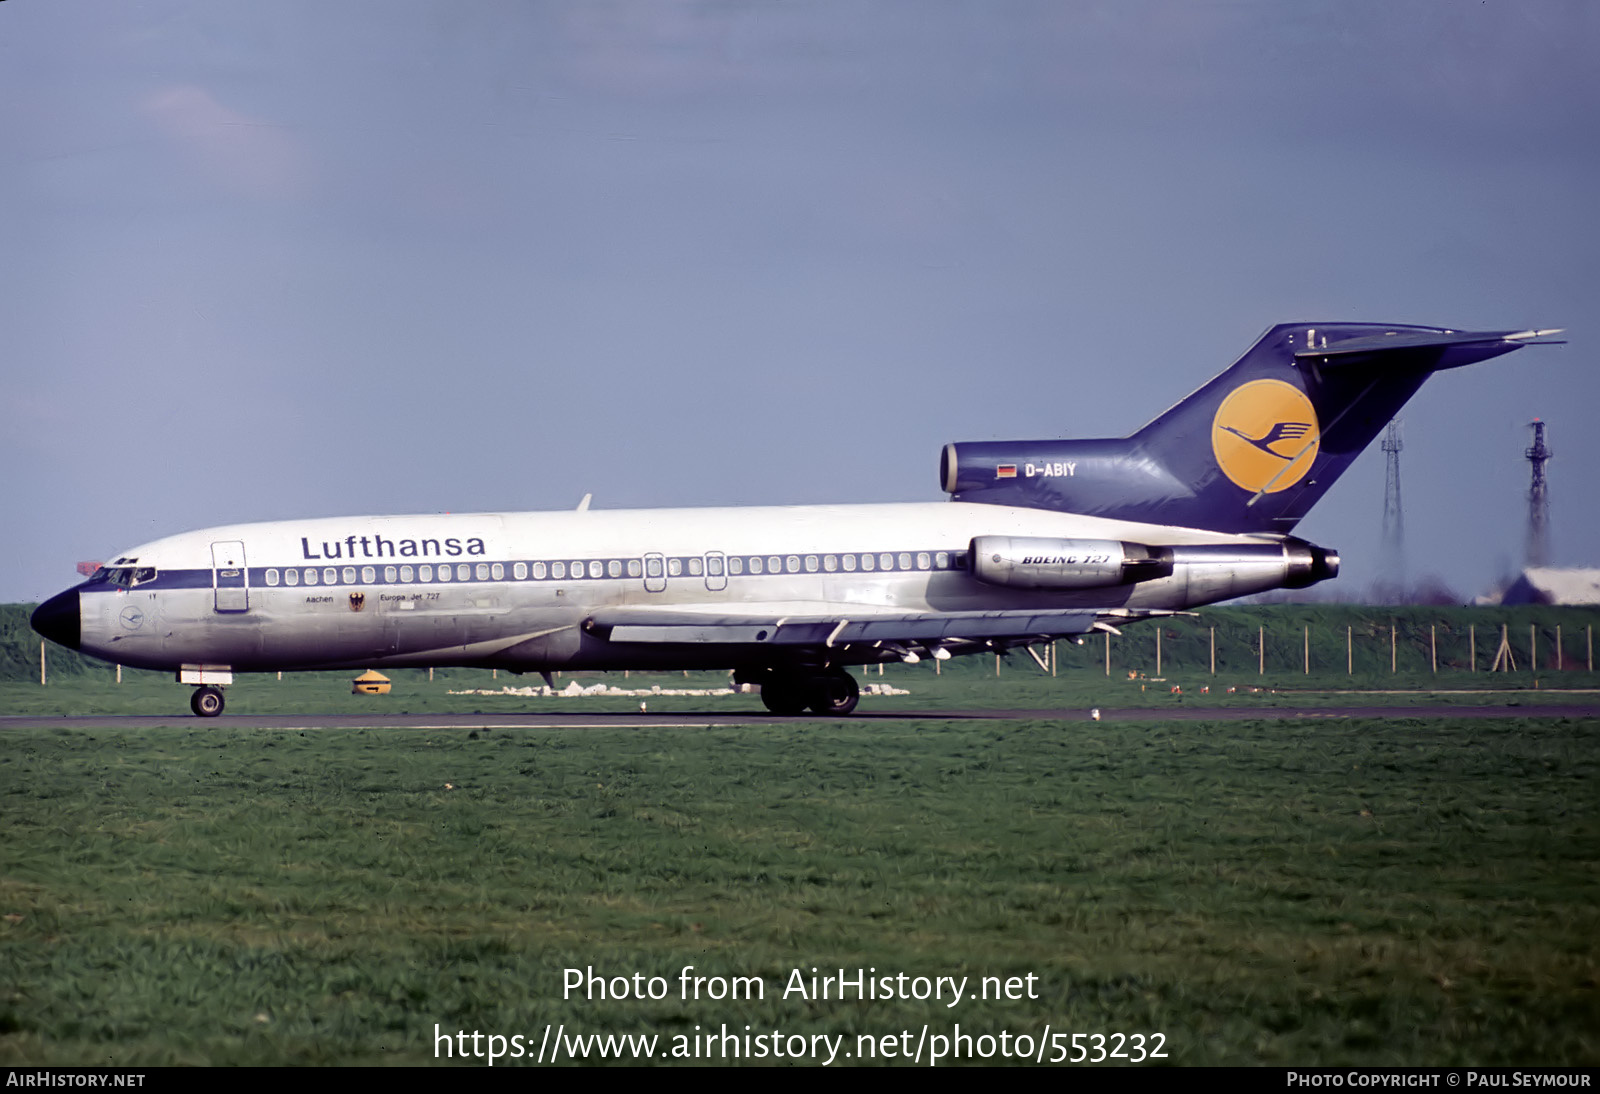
644, 626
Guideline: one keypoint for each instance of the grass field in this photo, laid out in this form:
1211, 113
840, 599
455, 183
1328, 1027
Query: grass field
1333, 892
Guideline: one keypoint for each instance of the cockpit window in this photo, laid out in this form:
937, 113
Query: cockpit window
124, 576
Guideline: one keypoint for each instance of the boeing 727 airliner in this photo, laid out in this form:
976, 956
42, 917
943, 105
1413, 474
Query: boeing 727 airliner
1039, 540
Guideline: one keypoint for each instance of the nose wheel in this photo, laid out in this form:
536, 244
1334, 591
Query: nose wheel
206, 702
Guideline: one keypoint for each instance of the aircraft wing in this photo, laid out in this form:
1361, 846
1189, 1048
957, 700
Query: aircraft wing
751, 624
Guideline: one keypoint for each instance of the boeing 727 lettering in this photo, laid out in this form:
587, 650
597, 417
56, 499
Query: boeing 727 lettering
1196, 507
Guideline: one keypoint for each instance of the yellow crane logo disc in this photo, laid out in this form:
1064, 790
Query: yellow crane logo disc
1265, 436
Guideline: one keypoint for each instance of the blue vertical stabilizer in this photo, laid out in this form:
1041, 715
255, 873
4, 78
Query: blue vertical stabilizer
1250, 451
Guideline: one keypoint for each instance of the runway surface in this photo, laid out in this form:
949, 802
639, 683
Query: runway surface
709, 719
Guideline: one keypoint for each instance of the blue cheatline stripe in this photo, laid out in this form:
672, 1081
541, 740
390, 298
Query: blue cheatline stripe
576, 569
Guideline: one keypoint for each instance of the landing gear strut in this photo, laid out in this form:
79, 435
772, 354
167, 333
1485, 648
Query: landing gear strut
830, 692
206, 702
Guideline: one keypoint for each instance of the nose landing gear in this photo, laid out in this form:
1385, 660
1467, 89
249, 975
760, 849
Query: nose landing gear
206, 702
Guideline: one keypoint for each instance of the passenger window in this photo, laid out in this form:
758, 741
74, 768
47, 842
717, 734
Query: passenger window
272, 577
674, 567
597, 568
694, 567
463, 572
714, 565
406, 573
520, 571
941, 560
792, 564
311, 576
634, 569
291, 576
349, 575
368, 575
755, 565
558, 570
444, 573
577, 569
904, 560
539, 571
849, 563
867, 562
811, 564
736, 566
390, 574
774, 565
330, 576
483, 571
424, 573
614, 568
922, 560
830, 563
886, 561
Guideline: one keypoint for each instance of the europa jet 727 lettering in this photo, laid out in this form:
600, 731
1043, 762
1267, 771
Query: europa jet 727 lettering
1039, 540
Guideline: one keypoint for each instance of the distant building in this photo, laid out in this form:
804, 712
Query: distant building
1550, 585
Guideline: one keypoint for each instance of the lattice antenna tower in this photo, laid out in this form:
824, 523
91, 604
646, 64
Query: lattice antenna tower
1394, 521
1538, 500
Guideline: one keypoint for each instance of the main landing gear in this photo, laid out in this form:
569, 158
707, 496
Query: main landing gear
830, 692
206, 702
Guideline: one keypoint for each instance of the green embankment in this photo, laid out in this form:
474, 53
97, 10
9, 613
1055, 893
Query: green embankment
1344, 645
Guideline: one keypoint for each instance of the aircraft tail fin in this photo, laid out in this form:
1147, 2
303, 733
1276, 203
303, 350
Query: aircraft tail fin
1253, 449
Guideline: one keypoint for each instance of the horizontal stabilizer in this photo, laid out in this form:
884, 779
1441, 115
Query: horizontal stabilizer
1414, 339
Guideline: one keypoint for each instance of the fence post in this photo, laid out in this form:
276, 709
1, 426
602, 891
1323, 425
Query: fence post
1349, 653
1261, 647
1533, 647
1158, 650
1433, 646
41, 665
1213, 651
1472, 633
1391, 647
1308, 649
1108, 653
1561, 661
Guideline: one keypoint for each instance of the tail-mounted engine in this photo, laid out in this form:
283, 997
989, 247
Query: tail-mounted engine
1025, 562
1210, 571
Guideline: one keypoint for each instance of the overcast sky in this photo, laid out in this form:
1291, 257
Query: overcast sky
293, 259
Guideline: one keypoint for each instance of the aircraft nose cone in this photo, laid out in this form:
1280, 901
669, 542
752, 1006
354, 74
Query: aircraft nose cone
57, 619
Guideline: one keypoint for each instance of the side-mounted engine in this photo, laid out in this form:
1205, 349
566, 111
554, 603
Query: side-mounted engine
1210, 571
1029, 562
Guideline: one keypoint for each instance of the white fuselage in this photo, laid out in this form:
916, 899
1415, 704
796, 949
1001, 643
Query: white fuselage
514, 589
